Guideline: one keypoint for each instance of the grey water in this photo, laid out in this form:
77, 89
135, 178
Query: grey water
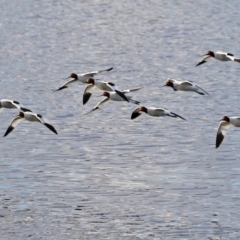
106, 176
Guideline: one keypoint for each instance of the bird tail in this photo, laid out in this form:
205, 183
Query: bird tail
237, 60
133, 101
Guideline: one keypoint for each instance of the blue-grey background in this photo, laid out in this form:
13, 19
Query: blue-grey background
105, 176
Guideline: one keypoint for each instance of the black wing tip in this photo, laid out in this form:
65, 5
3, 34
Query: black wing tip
122, 95
86, 97
61, 88
10, 128
109, 69
176, 115
219, 139
200, 63
25, 109
135, 115
49, 126
91, 110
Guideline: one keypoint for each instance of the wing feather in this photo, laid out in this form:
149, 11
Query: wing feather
13, 124
221, 132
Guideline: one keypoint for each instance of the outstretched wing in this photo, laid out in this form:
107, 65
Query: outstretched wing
99, 105
88, 93
205, 59
13, 124
136, 113
176, 115
115, 89
202, 90
20, 106
96, 72
131, 90
45, 122
66, 84
221, 132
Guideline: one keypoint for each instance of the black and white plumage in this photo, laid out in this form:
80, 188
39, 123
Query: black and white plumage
221, 56
83, 77
104, 86
115, 97
224, 125
154, 112
30, 116
188, 86
6, 103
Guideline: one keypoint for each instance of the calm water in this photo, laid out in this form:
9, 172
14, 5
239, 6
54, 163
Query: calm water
105, 176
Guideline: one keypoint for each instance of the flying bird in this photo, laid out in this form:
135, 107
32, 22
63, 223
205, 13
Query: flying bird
83, 77
221, 56
115, 97
6, 103
154, 112
104, 86
225, 124
30, 116
184, 86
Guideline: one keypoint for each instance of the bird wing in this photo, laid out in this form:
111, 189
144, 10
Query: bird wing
66, 84
99, 105
136, 113
202, 90
187, 83
112, 86
13, 124
205, 59
221, 132
176, 115
131, 90
45, 122
96, 72
231, 56
20, 106
88, 93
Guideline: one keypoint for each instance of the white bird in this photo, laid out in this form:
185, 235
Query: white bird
225, 124
6, 103
115, 97
221, 56
154, 112
30, 116
81, 77
184, 86
104, 86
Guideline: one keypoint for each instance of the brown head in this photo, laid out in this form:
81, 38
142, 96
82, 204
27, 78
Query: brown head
21, 114
169, 84
106, 94
210, 53
226, 118
143, 109
73, 75
90, 80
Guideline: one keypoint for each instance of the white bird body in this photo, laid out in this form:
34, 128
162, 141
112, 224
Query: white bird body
30, 116
6, 103
104, 86
221, 56
154, 112
114, 97
184, 86
224, 125
82, 78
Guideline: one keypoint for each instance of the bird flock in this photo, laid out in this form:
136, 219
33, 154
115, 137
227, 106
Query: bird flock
112, 92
